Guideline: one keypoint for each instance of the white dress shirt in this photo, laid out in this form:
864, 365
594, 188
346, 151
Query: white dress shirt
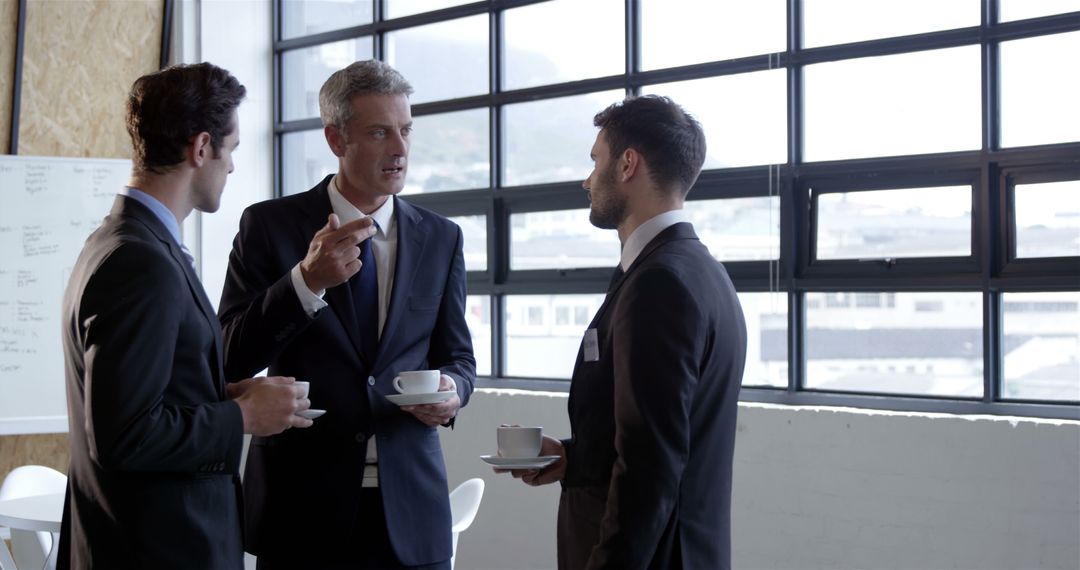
646, 232
384, 248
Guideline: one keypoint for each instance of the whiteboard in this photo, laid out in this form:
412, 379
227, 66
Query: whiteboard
48, 206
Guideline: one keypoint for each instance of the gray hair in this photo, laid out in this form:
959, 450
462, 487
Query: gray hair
359, 78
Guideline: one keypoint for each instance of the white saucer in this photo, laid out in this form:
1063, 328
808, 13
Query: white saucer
310, 413
417, 399
519, 462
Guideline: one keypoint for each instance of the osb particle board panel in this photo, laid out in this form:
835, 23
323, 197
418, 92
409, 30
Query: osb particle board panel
50, 450
79, 60
9, 19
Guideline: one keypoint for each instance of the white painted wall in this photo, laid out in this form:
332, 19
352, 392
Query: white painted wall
824, 488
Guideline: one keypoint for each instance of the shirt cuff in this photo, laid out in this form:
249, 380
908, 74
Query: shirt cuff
310, 301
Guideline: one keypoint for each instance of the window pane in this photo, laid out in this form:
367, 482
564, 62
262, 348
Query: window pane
827, 22
927, 344
721, 30
1009, 10
307, 17
1042, 346
913, 222
547, 43
744, 116
444, 60
738, 229
478, 317
1039, 84
399, 8
306, 160
449, 152
911, 103
304, 71
766, 339
537, 346
474, 230
1048, 219
560, 239
550, 140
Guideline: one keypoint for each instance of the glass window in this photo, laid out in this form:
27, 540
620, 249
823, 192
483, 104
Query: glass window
550, 140
305, 70
897, 349
911, 103
399, 8
1039, 84
722, 29
744, 116
537, 346
827, 22
1041, 346
449, 151
1009, 10
306, 160
1048, 219
560, 239
548, 42
738, 229
766, 339
307, 17
478, 317
446, 60
913, 222
474, 230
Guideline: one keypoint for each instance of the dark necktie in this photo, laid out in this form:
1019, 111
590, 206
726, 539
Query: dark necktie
615, 277
365, 291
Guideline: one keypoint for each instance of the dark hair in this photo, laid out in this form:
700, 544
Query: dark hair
670, 140
167, 108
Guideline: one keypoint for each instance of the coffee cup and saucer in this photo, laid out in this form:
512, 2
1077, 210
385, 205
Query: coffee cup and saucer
519, 448
309, 413
417, 387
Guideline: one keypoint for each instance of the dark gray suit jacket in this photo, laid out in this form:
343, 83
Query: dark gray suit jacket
648, 479
303, 486
155, 443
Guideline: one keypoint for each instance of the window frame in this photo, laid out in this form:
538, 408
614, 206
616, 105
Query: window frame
992, 172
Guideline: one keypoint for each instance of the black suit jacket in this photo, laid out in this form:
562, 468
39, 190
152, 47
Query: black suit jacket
313, 475
648, 479
155, 443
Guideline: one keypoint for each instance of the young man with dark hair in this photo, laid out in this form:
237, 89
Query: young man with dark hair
155, 432
646, 473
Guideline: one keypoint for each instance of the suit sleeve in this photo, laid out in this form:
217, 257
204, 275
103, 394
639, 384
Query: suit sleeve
259, 309
130, 314
451, 344
657, 334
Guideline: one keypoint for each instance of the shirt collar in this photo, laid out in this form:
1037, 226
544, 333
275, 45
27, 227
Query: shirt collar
163, 214
646, 232
346, 212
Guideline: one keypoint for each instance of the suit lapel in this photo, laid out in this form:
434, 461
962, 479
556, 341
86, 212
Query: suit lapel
412, 239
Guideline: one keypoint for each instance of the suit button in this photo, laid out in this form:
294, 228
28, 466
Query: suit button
360, 438
371, 380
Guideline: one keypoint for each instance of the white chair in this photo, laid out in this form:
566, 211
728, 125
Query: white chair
464, 502
30, 549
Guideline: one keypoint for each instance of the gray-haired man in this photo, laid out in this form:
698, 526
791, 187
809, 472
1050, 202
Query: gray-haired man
345, 286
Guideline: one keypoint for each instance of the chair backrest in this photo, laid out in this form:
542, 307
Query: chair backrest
464, 502
30, 549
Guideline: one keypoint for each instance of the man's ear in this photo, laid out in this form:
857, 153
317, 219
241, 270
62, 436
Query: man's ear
629, 164
200, 150
335, 139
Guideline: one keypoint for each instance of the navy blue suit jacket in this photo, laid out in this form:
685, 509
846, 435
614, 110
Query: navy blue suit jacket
302, 487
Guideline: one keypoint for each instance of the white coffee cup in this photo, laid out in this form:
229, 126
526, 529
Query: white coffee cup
417, 382
519, 442
304, 388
